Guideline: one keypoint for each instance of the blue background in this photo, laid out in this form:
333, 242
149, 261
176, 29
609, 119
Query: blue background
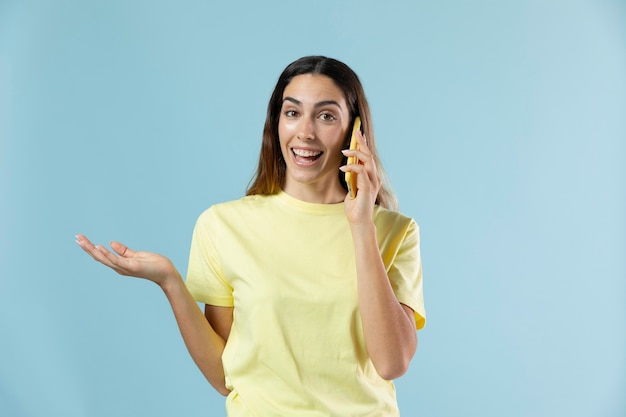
501, 124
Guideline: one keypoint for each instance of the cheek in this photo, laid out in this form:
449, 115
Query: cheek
341, 140
283, 140
284, 132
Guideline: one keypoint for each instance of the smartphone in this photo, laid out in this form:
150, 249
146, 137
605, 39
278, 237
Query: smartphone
351, 176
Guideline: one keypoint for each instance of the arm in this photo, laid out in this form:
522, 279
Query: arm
204, 343
388, 325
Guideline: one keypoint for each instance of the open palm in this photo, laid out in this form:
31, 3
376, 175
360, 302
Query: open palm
124, 261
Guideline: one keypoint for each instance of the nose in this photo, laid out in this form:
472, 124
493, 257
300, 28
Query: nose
306, 129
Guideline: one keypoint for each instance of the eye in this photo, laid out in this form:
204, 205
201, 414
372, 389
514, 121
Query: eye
290, 113
327, 117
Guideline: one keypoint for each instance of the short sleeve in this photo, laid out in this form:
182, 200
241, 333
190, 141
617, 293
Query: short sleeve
405, 274
205, 279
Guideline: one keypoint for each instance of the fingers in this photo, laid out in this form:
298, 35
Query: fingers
122, 250
366, 170
103, 255
95, 251
366, 162
85, 244
363, 171
362, 141
362, 152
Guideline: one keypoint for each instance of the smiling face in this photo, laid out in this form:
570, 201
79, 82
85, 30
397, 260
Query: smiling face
314, 120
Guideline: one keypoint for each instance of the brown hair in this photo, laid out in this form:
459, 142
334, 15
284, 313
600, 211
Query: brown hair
270, 174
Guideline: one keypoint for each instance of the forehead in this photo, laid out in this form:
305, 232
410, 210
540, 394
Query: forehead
314, 88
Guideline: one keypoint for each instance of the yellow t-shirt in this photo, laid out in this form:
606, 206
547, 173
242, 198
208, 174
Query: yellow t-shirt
296, 347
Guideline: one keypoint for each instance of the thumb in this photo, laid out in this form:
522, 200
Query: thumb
122, 250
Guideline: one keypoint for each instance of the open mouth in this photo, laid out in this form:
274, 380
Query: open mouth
306, 156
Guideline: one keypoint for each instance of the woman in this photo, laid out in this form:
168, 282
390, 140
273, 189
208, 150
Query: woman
312, 298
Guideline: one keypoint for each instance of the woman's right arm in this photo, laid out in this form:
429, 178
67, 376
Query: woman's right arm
204, 341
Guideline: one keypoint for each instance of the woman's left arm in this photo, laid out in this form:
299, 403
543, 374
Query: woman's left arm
388, 325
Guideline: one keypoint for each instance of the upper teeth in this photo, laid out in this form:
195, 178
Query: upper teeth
305, 153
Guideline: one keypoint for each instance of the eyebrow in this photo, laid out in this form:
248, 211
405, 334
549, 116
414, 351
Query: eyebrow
318, 104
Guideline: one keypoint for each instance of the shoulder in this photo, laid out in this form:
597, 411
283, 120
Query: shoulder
390, 219
235, 208
395, 230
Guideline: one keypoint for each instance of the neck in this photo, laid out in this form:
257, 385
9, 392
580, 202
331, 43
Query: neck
313, 193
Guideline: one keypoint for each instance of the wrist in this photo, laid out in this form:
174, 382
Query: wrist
363, 229
171, 283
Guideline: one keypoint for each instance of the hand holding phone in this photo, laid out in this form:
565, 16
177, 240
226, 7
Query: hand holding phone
351, 176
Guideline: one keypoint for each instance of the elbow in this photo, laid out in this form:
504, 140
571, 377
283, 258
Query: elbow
221, 389
219, 386
392, 369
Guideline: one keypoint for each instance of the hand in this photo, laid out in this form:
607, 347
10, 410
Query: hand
360, 209
150, 266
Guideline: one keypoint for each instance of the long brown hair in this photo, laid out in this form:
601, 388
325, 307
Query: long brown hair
270, 174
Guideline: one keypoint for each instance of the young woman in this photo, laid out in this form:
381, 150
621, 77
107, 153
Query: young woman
312, 298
